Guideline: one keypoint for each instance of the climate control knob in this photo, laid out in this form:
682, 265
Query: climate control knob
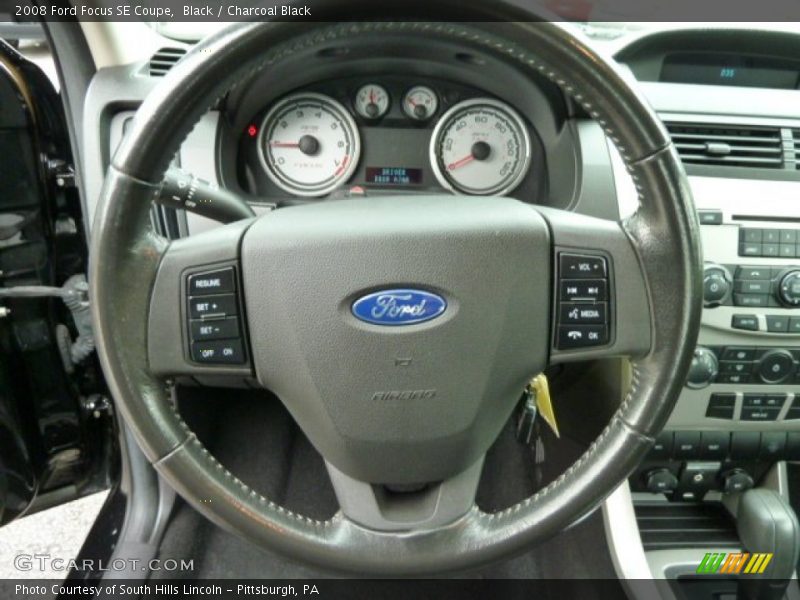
736, 480
776, 366
789, 289
716, 285
703, 370
661, 481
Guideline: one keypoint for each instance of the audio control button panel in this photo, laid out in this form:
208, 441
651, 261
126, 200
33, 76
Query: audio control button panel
771, 242
583, 316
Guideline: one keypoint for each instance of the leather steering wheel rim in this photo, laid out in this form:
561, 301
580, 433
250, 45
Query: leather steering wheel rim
126, 255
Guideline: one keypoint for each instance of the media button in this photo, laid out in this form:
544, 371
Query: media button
573, 312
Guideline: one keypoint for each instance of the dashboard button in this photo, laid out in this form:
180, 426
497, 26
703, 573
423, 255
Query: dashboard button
750, 249
219, 352
777, 324
714, 444
746, 322
710, 217
581, 336
749, 234
750, 299
733, 377
759, 414
223, 305
787, 250
744, 444
720, 406
760, 273
737, 353
578, 266
788, 236
771, 250
217, 329
214, 282
583, 289
580, 314
764, 400
773, 445
662, 447
794, 325
771, 236
752, 286
687, 444
735, 366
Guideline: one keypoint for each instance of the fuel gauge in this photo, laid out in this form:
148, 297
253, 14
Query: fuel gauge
420, 102
372, 101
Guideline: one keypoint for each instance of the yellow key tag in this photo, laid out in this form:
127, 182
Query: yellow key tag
541, 392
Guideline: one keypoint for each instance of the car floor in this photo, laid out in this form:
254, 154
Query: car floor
253, 435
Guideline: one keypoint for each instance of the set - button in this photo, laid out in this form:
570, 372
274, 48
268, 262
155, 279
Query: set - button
215, 335
583, 311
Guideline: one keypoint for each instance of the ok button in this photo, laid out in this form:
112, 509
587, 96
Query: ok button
577, 313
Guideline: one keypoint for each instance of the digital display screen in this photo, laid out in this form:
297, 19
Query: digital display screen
730, 69
394, 175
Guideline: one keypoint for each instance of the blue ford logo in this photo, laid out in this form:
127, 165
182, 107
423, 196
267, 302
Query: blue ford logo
398, 307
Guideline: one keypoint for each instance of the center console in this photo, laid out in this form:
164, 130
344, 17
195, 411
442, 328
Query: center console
739, 412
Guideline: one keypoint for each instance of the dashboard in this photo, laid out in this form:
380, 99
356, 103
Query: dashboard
388, 116
386, 134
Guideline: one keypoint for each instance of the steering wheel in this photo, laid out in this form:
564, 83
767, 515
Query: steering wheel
417, 400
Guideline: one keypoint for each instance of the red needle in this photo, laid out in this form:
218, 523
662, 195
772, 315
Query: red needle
284, 144
411, 101
372, 96
460, 163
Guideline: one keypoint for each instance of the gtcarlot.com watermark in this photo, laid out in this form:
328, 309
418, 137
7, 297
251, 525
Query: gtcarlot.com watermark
47, 562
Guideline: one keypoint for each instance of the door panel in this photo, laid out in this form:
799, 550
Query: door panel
56, 431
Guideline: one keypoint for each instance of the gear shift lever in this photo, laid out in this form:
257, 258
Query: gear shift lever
766, 523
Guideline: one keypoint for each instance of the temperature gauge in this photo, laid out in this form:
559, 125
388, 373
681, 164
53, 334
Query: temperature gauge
372, 101
420, 102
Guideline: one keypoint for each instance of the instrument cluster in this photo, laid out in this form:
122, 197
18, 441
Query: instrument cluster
389, 134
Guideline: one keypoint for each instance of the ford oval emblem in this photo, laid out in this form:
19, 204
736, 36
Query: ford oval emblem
398, 307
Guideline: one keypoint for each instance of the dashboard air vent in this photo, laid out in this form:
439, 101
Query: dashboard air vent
796, 146
728, 145
163, 60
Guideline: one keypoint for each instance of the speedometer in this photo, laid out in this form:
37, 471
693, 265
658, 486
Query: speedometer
480, 146
309, 144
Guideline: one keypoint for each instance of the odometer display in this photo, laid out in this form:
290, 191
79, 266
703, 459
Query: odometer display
480, 147
309, 144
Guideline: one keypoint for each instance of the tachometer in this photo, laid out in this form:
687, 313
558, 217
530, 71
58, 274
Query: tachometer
480, 146
309, 144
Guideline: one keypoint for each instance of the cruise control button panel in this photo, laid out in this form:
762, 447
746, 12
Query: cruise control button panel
214, 325
583, 313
